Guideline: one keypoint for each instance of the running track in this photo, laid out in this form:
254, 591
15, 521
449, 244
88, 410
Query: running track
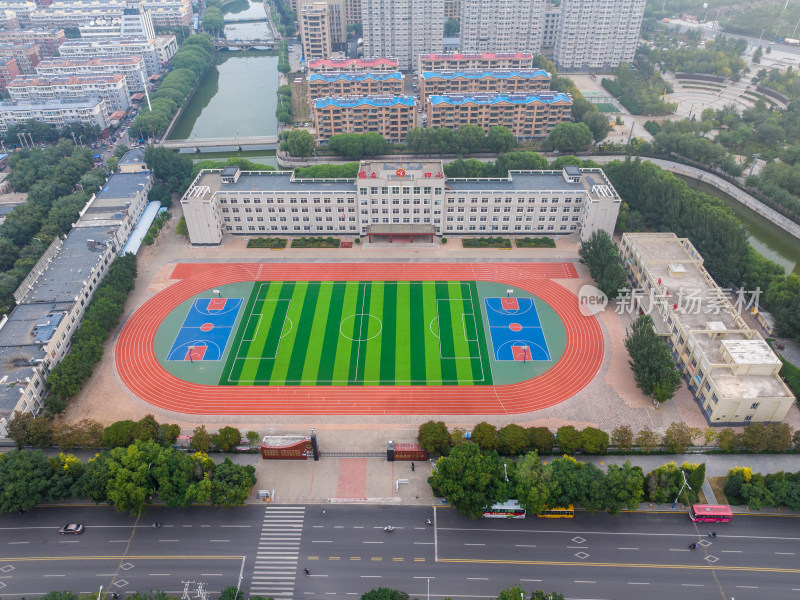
141, 372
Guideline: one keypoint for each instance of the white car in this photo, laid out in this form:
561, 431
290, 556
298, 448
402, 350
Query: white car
73, 528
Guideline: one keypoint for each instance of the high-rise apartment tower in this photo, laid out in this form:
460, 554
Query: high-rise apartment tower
402, 29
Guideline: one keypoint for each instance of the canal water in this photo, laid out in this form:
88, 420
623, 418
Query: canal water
771, 242
237, 96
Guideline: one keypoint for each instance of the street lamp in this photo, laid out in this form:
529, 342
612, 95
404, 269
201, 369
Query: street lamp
760, 36
685, 485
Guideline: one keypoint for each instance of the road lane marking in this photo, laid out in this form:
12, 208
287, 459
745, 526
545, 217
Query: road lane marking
68, 541
220, 541
700, 567
159, 574
580, 581
539, 580
627, 548
525, 546
321, 541
691, 585
370, 576
169, 541
211, 574
423, 543
55, 575
786, 553
638, 583
578, 547
371, 542
733, 551
474, 544
19, 542
235, 526
678, 549
117, 541
748, 587
106, 575
477, 579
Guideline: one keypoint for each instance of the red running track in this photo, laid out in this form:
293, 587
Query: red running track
143, 374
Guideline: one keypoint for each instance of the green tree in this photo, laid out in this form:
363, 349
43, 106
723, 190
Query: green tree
18, 428
623, 487
542, 439
232, 483
567, 484
570, 137
173, 169
729, 441
515, 592
471, 137
600, 255
40, 432
568, 439
598, 124
451, 28
500, 139
514, 439
384, 594
434, 438
470, 479
227, 439
779, 437
201, 439
213, 21
301, 143
677, 438
181, 228
647, 439
253, 438
622, 437
594, 441
119, 433
485, 435
26, 477
130, 484
754, 437
231, 593
650, 360
535, 485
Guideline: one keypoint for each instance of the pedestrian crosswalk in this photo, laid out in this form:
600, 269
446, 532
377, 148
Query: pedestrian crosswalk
275, 566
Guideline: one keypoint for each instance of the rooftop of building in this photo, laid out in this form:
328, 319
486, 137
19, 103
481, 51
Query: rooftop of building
355, 101
355, 76
58, 103
92, 62
748, 386
34, 80
208, 182
493, 73
540, 98
475, 55
132, 157
38, 31
95, 43
111, 204
347, 62
64, 276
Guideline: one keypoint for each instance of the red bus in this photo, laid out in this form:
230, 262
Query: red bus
710, 513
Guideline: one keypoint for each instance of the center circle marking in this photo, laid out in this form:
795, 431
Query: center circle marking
353, 321
206, 327
515, 327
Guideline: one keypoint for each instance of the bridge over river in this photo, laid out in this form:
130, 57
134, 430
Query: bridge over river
219, 44
236, 142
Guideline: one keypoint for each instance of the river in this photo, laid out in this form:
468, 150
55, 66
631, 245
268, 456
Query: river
770, 241
237, 96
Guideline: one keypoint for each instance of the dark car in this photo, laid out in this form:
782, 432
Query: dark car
74, 528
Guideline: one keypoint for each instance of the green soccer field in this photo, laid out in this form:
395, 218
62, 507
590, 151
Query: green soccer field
360, 333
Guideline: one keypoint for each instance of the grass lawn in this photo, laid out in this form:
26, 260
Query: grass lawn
718, 485
360, 333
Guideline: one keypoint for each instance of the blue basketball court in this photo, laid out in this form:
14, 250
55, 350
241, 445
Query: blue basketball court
206, 329
515, 330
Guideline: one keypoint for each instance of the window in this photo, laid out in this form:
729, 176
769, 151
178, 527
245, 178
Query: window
754, 405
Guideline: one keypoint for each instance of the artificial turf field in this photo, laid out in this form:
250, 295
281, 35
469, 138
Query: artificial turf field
360, 333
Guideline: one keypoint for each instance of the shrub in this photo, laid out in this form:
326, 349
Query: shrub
261, 242
594, 441
542, 242
568, 439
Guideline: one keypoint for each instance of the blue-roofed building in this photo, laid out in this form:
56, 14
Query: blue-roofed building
528, 116
494, 81
391, 116
355, 83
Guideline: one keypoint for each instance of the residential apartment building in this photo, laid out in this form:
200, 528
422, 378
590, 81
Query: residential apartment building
8, 72
452, 9
8, 20
132, 67
89, 111
51, 301
370, 65
345, 83
474, 61
155, 53
74, 13
550, 28
502, 25
22, 11
500, 81
48, 40
315, 29
412, 195
528, 116
28, 56
597, 34
402, 29
352, 12
731, 371
112, 88
391, 116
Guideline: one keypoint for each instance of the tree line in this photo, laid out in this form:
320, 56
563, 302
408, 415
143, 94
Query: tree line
51, 178
663, 202
465, 140
46, 133
101, 317
515, 440
757, 490
188, 65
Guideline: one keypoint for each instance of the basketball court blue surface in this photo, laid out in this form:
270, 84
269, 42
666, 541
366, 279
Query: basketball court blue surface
515, 330
206, 329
